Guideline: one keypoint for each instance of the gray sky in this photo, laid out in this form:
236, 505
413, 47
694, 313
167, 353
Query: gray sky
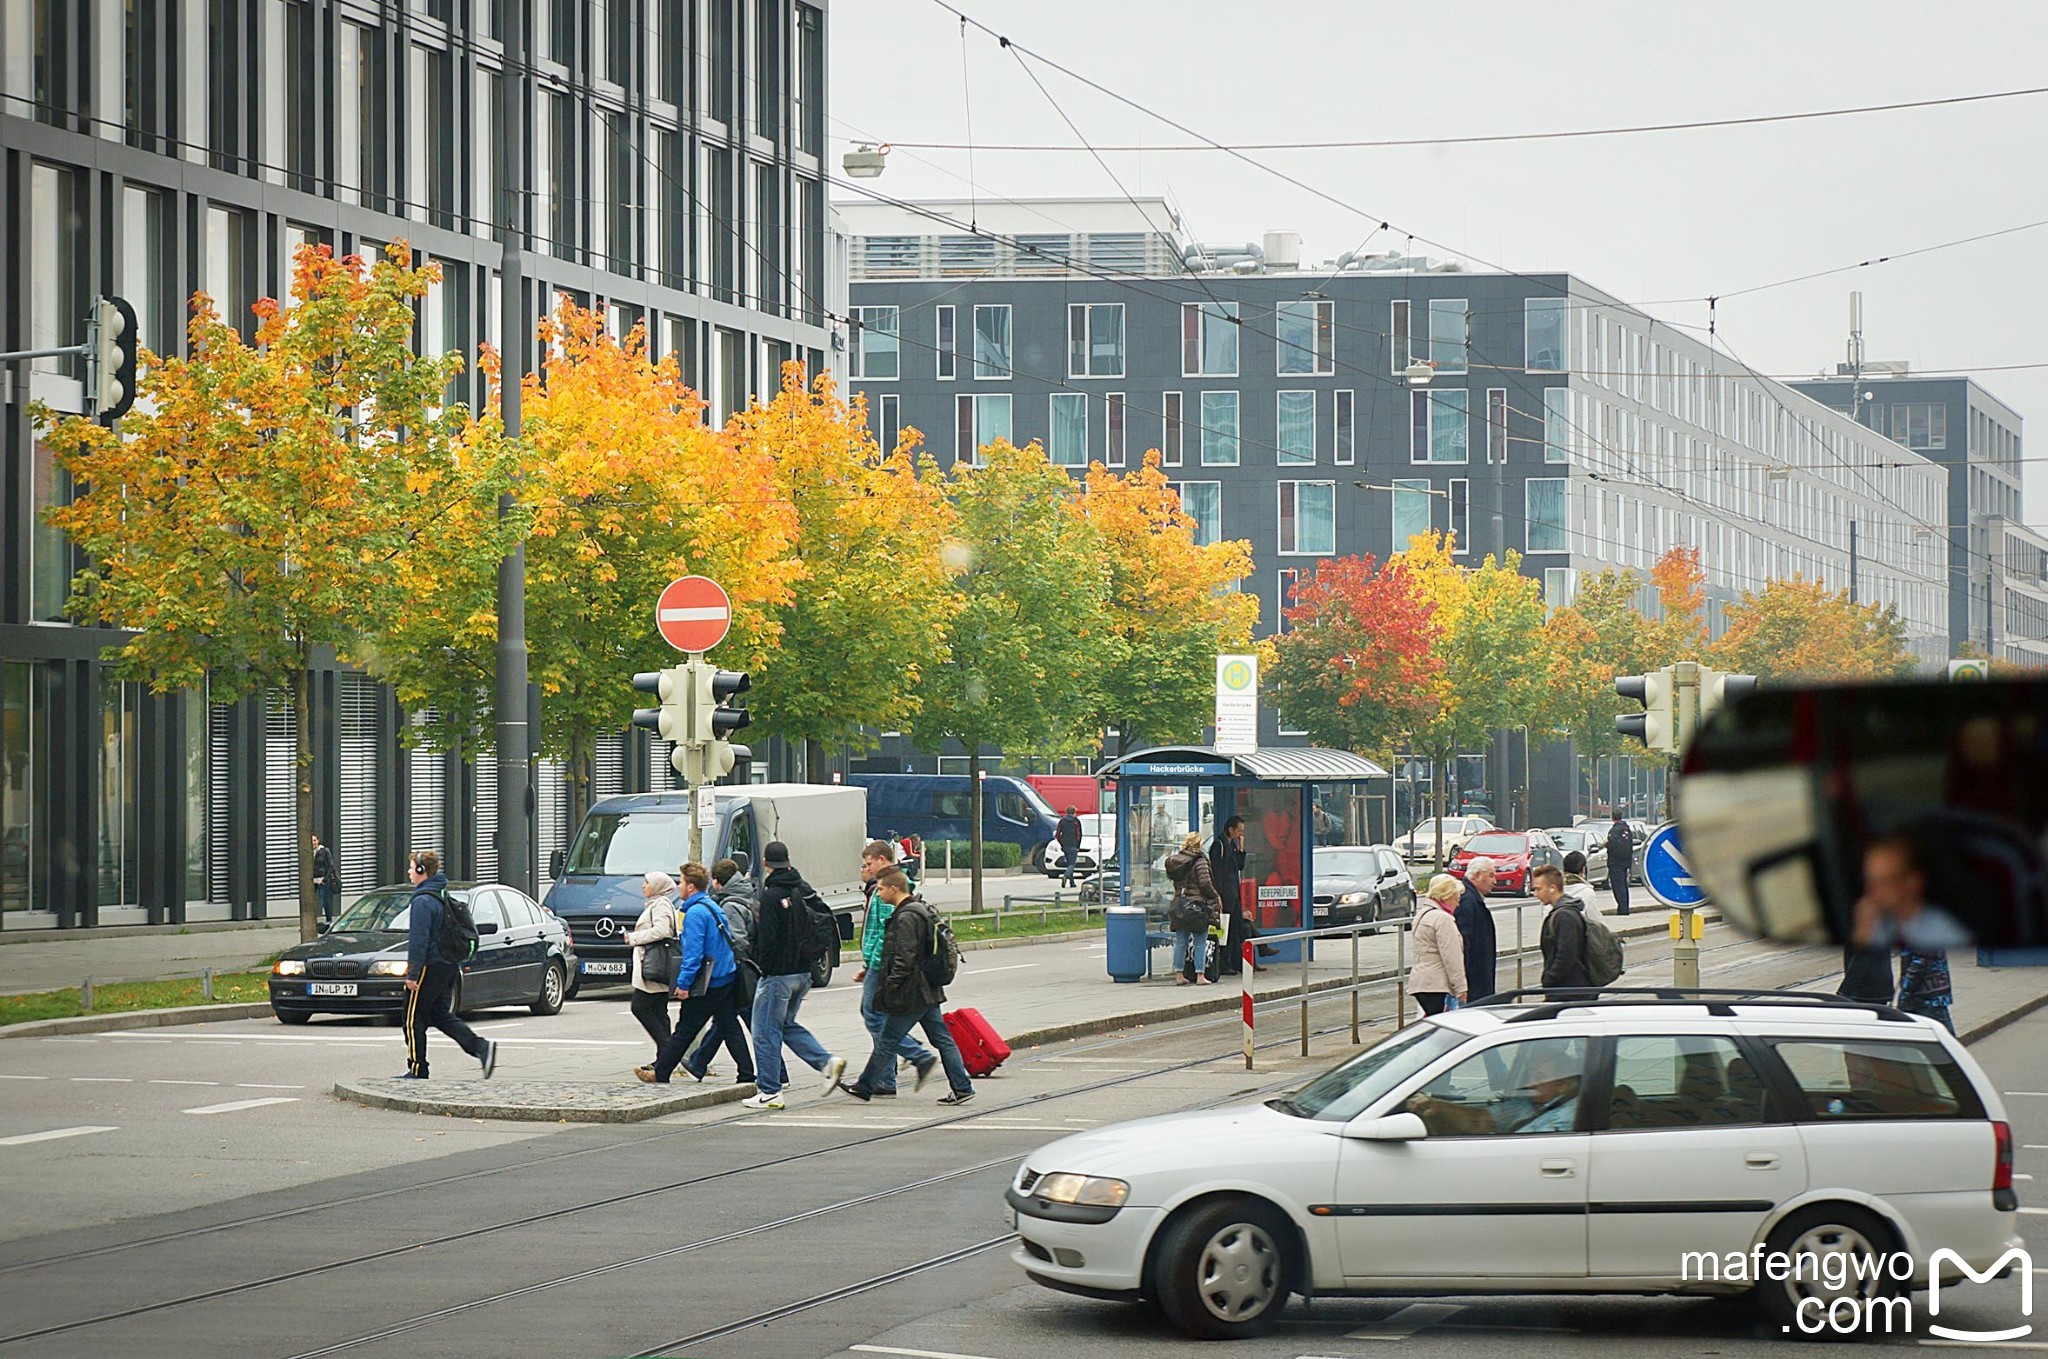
1648, 217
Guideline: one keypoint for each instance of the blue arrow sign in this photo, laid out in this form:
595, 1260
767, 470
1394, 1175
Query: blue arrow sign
1667, 873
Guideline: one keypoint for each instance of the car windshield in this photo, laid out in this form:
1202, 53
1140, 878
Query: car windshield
1347, 863
378, 911
630, 843
1340, 1093
1036, 801
1100, 825
1569, 839
1498, 842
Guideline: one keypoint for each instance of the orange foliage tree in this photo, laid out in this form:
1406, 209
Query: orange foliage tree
1800, 629
1357, 667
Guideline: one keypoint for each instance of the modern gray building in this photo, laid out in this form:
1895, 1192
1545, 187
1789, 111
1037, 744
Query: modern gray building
1952, 420
671, 175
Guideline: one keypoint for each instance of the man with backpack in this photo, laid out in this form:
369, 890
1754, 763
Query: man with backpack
874, 923
439, 940
733, 895
706, 980
792, 931
1577, 951
918, 958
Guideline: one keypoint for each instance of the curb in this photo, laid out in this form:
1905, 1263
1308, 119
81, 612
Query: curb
1997, 1022
540, 1113
138, 1019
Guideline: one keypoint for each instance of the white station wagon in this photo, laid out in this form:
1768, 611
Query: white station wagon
1658, 1142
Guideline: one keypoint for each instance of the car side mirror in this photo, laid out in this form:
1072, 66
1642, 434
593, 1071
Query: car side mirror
325, 926
556, 860
1401, 1127
487, 927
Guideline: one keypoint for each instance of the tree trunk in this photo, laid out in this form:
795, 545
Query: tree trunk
578, 773
1439, 791
816, 758
299, 684
974, 825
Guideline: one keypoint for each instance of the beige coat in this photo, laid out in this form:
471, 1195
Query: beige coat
1439, 952
656, 923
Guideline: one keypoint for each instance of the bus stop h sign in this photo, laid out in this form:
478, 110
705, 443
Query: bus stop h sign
693, 613
1667, 873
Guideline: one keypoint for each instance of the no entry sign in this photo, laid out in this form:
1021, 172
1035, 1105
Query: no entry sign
693, 613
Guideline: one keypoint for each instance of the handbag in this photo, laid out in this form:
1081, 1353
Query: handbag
660, 959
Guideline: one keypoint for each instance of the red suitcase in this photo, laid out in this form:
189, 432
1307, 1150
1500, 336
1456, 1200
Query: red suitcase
981, 1047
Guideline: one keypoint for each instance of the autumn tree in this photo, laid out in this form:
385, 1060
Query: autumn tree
869, 620
1800, 629
627, 488
1171, 607
1031, 626
1356, 668
263, 502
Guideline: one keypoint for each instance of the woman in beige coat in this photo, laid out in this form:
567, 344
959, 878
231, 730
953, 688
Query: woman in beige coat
657, 922
1439, 969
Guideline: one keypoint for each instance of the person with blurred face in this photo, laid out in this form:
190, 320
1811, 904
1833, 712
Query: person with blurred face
1475, 924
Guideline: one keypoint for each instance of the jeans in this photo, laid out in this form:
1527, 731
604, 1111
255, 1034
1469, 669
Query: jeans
895, 1028
696, 1011
909, 1049
427, 1006
1938, 1013
1069, 857
325, 892
1617, 882
1190, 952
776, 1000
730, 1029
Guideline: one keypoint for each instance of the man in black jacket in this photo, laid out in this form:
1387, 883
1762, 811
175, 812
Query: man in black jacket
430, 977
1067, 834
908, 997
326, 882
1226, 866
1621, 858
781, 955
1564, 930
1475, 925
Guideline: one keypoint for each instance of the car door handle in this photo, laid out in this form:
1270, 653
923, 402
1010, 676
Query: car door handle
1560, 1170
1761, 1160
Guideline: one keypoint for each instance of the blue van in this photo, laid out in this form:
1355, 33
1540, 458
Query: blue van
938, 806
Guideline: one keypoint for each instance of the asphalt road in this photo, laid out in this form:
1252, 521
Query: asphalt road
832, 1228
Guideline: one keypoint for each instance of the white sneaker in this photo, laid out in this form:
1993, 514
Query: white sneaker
763, 1102
835, 1067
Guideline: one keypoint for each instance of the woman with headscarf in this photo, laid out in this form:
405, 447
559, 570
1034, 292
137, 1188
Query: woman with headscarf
657, 923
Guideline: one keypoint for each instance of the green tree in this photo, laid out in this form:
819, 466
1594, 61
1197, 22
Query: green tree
266, 501
1025, 642
1800, 629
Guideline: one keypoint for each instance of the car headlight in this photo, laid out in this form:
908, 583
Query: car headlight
389, 967
1354, 898
1093, 1190
290, 967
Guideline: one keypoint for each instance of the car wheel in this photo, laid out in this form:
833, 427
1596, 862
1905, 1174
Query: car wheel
1222, 1271
293, 1016
1038, 858
554, 989
455, 998
1822, 1230
821, 971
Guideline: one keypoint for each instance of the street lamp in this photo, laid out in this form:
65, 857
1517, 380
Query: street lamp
866, 161
1419, 373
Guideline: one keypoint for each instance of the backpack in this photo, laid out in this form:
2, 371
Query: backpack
942, 963
1602, 953
819, 928
455, 936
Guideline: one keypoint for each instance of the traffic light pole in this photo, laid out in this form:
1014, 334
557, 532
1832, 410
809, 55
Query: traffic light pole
693, 755
517, 742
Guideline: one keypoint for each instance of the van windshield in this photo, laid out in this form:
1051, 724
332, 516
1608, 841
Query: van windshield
630, 843
1035, 800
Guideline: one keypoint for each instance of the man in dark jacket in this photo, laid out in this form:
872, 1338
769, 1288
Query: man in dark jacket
1475, 924
1564, 930
1621, 858
326, 882
1068, 835
781, 957
1226, 867
1867, 975
908, 997
430, 978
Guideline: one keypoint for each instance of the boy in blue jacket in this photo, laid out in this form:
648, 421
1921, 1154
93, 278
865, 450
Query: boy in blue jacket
704, 950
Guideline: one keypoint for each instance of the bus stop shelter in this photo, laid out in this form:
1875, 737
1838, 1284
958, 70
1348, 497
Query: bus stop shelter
1291, 799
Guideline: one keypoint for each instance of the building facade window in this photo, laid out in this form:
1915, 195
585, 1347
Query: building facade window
1458, 502
977, 422
1286, 580
1399, 347
1920, 424
1544, 332
1544, 511
877, 347
1412, 516
1305, 338
1208, 339
56, 285
1347, 428
1095, 340
118, 855
23, 779
1308, 518
1558, 591
1202, 501
1294, 419
1219, 429
1067, 443
1449, 333
1172, 429
807, 94
230, 279
992, 342
888, 421
1440, 426
1557, 424
945, 344
1113, 419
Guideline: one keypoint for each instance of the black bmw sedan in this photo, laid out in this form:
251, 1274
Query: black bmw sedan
357, 966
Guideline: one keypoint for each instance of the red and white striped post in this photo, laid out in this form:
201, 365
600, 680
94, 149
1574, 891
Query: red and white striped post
1250, 967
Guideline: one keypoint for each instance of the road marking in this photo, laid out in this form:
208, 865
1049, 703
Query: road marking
2037, 1212
984, 971
824, 1123
103, 1080
1406, 1322
912, 1354
71, 1040
241, 1104
24, 1078
52, 1135
2026, 1094
2023, 1177
2034, 1146
172, 1082
1009, 1127
252, 1085
1987, 1344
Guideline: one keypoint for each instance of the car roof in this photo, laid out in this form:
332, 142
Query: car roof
453, 887
1617, 1015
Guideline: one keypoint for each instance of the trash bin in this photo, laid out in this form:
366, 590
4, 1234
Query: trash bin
1124, 928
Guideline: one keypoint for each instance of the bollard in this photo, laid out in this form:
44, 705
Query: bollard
1354, 986
949, 861
85, 994
206, 983
1519, 946
1304, 995
1400, 977
1250, 967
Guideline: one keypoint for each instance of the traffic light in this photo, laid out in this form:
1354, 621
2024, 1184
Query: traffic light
716, 688
1656, 726
672, 719
1717, 687
112, 390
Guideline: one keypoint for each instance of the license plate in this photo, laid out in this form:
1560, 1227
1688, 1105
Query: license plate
593, 969
330, 988
1322, 912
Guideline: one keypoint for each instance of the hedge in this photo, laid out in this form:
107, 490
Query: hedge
994, 854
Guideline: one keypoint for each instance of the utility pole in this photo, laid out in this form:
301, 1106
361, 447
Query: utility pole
516, 740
